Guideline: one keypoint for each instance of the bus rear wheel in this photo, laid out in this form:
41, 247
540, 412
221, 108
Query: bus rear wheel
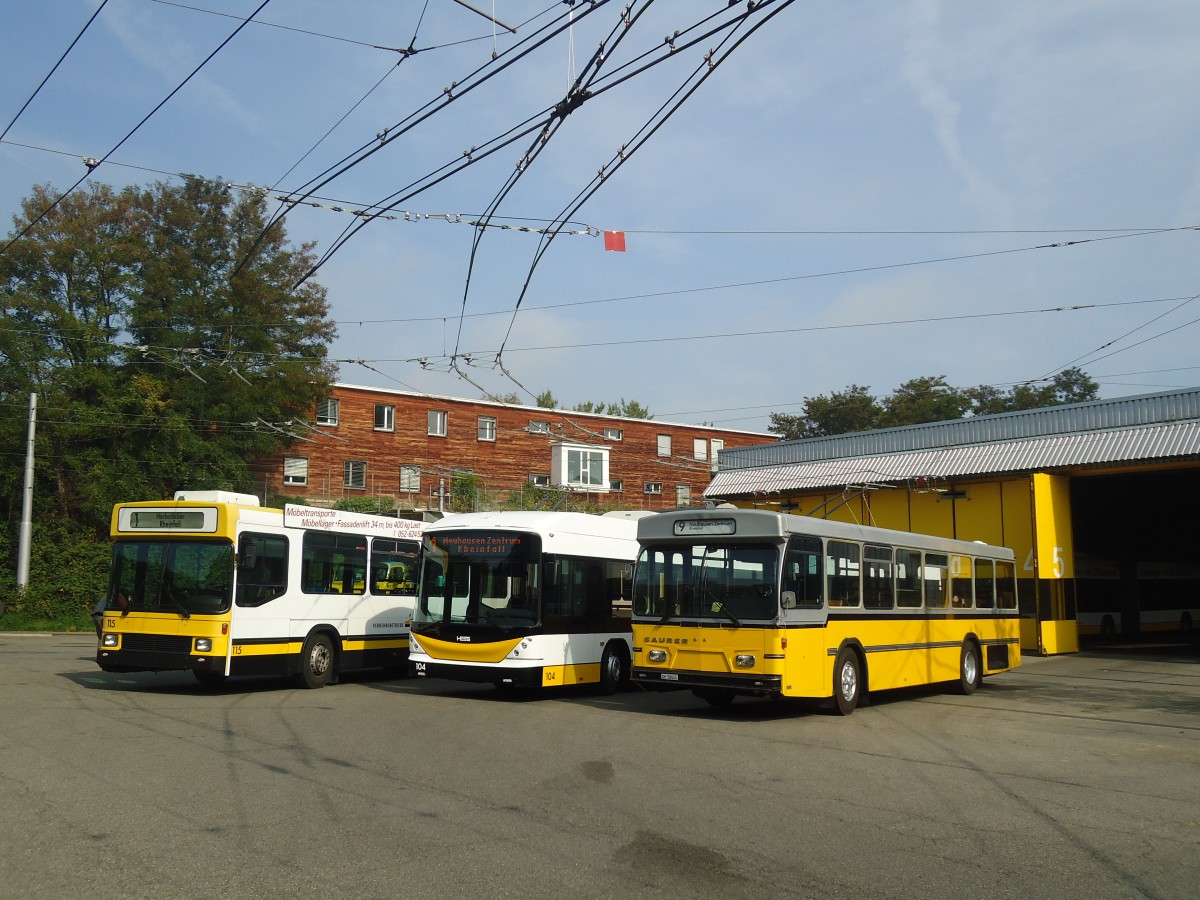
614, 669
316, 662
847, 682
970, 672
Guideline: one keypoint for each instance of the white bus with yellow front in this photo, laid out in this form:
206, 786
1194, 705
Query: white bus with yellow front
213, 583
526, 599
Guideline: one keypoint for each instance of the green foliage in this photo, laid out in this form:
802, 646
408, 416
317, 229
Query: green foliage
925, 399
157, 365
533, 497
629, 409
465, 492
368, 504
546, 400
66, 574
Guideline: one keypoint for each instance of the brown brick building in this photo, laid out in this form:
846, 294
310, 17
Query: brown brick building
414, 449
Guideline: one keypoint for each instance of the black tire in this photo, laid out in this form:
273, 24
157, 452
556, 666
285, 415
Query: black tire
614, 669
970, 669
847, 682
209, 679
316, 662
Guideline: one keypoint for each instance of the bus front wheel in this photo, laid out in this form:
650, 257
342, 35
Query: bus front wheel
614, 669
847, 682
316, 661
970, 672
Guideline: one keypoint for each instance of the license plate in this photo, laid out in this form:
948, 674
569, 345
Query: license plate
669, 676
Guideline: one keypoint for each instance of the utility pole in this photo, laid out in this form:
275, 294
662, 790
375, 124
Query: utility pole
27, 504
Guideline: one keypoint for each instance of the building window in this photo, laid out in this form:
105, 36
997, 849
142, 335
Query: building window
664, 445
354, 474
487, 428
327, 412
579, 466
652, 487
437, 422
536, 427
410, 479
699, 449
683, 495
716, 445
613, 434
295, 471
540, 480
616, 485
385, 417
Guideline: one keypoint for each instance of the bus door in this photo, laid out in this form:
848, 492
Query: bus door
803, 613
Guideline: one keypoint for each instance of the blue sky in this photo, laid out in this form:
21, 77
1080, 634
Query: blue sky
859, 194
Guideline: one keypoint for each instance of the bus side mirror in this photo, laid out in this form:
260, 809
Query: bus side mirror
249, 555
788, 600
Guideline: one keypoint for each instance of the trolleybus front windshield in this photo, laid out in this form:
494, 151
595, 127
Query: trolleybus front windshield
181, 577
707, 581
479, 577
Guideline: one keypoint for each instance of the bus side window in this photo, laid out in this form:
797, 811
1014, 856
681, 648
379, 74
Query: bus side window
262, 568
845, 573
802, 576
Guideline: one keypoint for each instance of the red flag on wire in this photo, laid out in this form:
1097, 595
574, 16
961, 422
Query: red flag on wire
614, 240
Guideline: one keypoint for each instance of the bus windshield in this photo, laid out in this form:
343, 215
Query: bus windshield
480, 577
732, 582
181, 577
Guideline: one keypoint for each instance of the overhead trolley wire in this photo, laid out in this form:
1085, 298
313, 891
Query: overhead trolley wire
94, 164
53, 69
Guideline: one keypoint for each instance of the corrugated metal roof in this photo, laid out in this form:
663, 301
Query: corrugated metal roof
1173, 441
1093, 416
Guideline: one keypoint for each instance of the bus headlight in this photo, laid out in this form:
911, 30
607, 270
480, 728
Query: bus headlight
744, 660
204, 645
109, 640
657, 656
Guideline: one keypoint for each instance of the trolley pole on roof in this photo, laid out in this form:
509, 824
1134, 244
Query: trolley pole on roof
27, 503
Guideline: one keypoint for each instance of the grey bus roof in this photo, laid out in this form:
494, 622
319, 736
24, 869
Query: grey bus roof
768, 525
1126, 430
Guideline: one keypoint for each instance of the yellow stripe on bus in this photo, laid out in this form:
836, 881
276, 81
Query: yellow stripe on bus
584, 673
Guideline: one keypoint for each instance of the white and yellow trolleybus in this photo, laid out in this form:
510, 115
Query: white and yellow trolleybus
758, 603
526, 599
213, 583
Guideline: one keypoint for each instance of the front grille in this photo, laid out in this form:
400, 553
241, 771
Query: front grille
156, 643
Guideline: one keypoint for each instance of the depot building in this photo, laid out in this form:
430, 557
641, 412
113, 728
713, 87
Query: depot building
1096, 499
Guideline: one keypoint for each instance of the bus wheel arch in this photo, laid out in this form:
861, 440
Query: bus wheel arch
318, 659
849, 678
614, 667
970, 666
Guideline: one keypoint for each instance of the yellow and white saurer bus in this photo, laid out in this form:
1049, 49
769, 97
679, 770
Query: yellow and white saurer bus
733, 601
213, 583
526, 599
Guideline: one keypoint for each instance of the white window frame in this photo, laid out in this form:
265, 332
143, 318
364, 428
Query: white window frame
700, 449
616, 485
652, 487
410, 479
664, 445
487, 428
329, 412
295, 471
683, 495
354, 474
581, 467
613, 434
536, 426
386, 421
437, 423
539, 480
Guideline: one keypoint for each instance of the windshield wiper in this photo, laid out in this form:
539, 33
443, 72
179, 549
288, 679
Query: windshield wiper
177, 603
718, 605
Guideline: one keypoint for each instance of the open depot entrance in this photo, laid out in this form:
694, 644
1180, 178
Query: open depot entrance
1136, 562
